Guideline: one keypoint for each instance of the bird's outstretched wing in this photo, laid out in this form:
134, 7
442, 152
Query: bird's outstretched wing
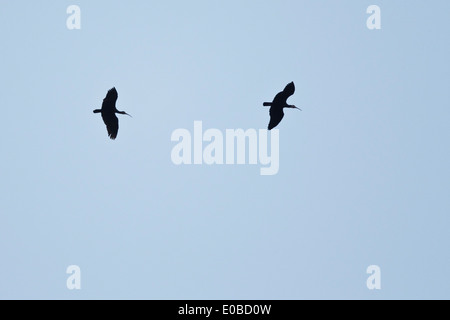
276, 115
112, 124
289, 90
282, 97
109, 103
112, 95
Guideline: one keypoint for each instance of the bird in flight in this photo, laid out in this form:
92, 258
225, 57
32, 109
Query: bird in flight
109, 111
278, 104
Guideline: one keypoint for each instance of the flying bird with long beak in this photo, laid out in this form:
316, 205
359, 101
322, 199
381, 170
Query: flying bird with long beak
109, 111
278, 104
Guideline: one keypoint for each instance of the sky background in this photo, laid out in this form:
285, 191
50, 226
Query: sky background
364, 173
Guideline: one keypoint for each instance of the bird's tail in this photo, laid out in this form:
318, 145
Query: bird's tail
267, 104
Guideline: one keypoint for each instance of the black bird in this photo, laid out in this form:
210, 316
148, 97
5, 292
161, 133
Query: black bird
109, 111
278, 103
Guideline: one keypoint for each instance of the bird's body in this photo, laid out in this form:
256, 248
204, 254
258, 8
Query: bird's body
109, 111
278, 104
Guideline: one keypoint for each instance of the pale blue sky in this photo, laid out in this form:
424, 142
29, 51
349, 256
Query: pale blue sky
364, 168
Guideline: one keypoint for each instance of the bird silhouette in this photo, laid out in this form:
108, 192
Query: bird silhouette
109, 111
278, 104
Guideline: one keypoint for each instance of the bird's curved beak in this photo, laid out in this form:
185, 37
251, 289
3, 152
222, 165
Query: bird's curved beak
293, 107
